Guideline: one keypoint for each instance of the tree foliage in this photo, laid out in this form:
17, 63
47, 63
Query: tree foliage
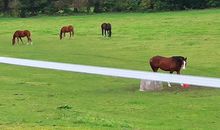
25, 8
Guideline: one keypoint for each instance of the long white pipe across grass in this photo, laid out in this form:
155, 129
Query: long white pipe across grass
173, 78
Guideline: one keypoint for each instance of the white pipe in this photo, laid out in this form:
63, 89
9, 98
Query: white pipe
173, 78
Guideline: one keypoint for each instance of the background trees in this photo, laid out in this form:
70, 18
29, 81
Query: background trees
25, 8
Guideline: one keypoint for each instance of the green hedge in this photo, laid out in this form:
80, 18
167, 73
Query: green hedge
25, 8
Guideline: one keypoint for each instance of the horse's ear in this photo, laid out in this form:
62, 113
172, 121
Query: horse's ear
185, 59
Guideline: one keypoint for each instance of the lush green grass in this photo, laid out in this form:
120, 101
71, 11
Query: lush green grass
33, 98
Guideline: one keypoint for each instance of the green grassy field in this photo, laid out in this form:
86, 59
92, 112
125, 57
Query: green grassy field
33, 98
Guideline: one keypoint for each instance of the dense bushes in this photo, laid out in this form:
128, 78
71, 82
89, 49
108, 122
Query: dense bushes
24, 8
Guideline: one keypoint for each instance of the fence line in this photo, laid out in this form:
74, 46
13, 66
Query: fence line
173, 78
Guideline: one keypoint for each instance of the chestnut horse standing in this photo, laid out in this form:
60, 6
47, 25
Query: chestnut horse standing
106, 27
171, 64
19, 34
66, 29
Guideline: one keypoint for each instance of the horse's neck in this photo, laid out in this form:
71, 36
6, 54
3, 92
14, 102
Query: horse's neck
14, 36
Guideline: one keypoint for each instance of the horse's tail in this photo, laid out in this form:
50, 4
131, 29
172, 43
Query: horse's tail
29, 36
73, 31
103, 28
29, 39
154, 63
61, 34
13, 39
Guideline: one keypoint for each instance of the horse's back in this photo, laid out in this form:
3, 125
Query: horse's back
157, 58
155, 61
67, 28
70, 27
108, 26
20, 33
160, 61
17, 32
27, 32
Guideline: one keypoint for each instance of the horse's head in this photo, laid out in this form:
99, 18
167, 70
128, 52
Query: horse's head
184, 63
13, 41
180, 61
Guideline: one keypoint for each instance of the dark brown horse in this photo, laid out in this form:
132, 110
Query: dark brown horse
19, 34
106, 28
171, 64
66, 29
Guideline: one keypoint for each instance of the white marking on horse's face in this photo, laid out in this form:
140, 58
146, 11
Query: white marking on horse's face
184, 65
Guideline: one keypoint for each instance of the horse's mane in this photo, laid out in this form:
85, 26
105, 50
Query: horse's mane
178, 59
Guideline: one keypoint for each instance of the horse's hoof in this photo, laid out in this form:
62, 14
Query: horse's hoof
141, 90
169, 85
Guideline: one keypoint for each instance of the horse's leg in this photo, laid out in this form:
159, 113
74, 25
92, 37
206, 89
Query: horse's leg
110, 33
64, 34
18, 40
70, 34
178, 72
29, 40
105, 32
155, 69
21, 40
169, 85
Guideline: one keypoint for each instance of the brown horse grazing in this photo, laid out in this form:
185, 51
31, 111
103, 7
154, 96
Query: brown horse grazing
66, 29
19, 34
174, 63
106, 27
